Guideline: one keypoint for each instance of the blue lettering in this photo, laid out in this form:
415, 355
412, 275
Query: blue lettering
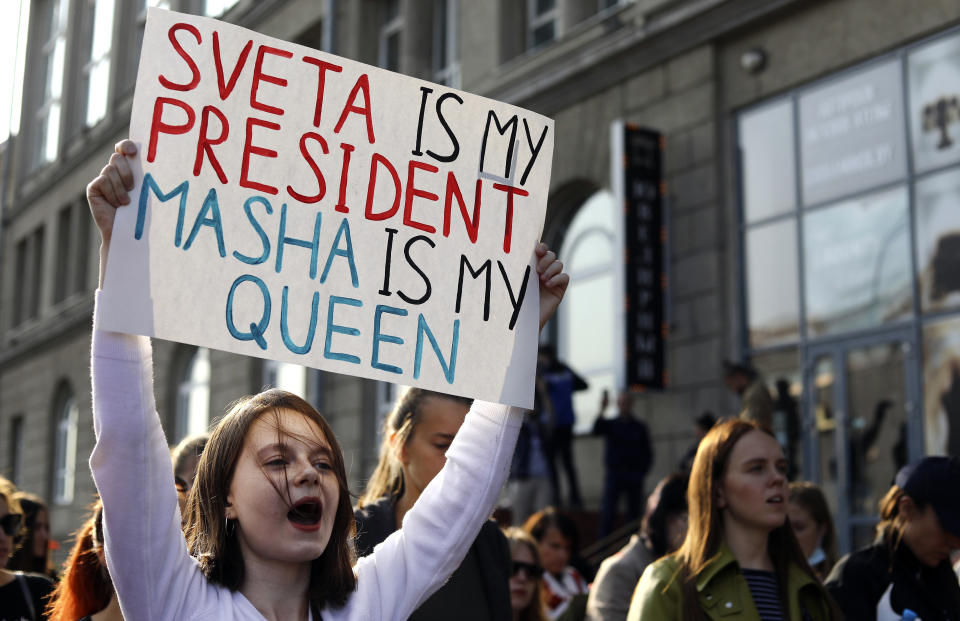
209, 204
282, 239
150, 184
334, 328
387, 338
284, 330
449, 372
342, 232
264, 241
256, 329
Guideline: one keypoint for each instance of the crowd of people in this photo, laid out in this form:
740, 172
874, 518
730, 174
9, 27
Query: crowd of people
255, 519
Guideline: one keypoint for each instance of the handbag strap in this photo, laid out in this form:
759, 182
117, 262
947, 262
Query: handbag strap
26, 595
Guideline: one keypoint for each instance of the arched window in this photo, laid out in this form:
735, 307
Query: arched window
193, 395
285, 376
588, 320
65, 447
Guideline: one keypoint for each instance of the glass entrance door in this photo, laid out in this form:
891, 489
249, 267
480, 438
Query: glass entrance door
863, 424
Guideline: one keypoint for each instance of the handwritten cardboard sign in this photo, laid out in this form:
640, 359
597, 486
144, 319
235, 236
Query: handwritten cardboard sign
298, 206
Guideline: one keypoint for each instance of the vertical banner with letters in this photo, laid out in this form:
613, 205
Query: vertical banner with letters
298, 206
645, 276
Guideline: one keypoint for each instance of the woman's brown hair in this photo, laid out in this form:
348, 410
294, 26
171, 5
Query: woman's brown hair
518, 537
23, 559
398, 428
85, 587
705, 521
216, 548
810, 497
891, 525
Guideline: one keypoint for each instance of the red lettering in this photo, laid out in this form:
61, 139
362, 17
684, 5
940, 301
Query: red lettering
376, 159
322, 68
157, 126
172, 35
412, 191
453, 191
248, 148
322, 185
344, 172
259, 75
508, 226
227, 88
205, 143
363, 84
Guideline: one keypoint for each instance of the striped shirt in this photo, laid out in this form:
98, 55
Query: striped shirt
766, 594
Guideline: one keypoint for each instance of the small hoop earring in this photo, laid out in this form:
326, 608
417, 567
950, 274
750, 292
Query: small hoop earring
228, 526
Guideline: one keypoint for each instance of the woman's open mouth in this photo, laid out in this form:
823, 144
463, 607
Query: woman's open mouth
306, 513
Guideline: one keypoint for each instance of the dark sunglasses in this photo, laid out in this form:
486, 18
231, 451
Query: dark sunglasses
10, 523
533, 571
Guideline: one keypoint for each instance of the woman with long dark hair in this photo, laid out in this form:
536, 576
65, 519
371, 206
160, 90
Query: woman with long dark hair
33, 555
269, 524
85, 590
739, 558
908, 566
416, 436
813, 526
22, 595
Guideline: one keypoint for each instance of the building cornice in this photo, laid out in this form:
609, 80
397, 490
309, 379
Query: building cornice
622, 45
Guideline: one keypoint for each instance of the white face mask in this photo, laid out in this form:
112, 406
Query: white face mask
817, 556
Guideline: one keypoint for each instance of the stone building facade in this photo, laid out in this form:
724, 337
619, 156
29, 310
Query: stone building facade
702, 72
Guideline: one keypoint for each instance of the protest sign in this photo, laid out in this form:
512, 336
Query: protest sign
298, 206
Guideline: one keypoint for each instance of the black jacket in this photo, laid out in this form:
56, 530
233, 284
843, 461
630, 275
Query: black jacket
860, 581
483, 576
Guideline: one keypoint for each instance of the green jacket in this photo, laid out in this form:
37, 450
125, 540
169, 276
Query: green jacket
723, 593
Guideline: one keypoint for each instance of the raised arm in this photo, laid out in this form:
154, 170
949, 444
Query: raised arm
146, 553
415, 561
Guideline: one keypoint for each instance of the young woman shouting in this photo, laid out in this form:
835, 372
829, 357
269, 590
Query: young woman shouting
269, 521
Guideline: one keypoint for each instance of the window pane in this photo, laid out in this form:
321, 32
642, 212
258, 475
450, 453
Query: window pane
858, 263
286, 376
216, 8
876, 424
542, 6
938, 240
825, 417
589, 322
99, 87
597, 212
586, 403
193, 396
935, 103
440, 59
543, 34
781, 371
392, 54
102, 28
852, 134
51, 133
767, 161
65, 456
941, 379
593, 250
773, 290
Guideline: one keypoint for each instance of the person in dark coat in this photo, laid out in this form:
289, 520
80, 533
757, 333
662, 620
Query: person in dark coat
416, 436
627, 454
908, 566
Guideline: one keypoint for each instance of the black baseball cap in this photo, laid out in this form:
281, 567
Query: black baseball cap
935, 480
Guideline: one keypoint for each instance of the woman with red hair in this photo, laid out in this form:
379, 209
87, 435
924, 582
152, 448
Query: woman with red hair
85, 591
